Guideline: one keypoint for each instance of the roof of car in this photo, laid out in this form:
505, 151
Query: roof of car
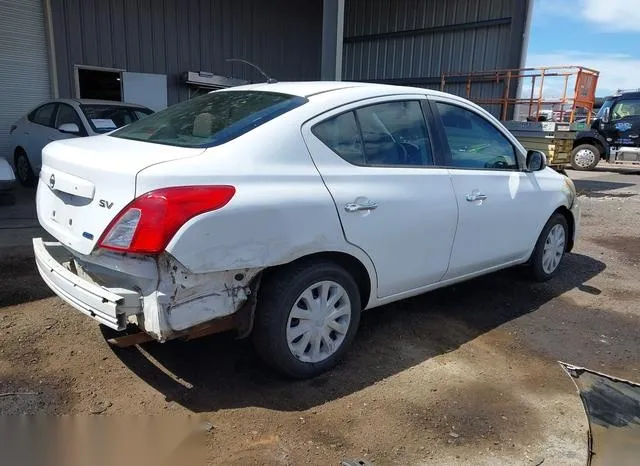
310, 88
114, 103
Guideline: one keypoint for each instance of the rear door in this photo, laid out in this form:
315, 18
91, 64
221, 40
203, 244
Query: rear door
39, 132
376, 159
499, 203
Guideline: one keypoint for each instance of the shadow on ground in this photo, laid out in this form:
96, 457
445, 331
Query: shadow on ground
219, 372
595, 188
19, 277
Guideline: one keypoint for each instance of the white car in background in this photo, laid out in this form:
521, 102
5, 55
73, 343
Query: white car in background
63, 119
284, 210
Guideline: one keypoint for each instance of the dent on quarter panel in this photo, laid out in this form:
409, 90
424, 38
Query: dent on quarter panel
194, 298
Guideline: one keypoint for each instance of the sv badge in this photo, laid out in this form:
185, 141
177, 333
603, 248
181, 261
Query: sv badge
105, 204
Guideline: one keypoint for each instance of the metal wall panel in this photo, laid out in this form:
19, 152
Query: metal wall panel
24, 63
415, 41
284, 37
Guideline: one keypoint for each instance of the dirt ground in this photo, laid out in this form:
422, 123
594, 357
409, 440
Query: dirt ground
464, 375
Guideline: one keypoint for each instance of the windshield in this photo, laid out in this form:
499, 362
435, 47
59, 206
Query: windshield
211, 119
606, 104
104, 118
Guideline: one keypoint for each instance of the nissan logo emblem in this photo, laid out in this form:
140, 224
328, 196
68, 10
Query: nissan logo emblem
52, 181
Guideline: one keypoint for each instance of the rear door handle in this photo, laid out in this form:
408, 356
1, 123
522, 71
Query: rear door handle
357, 206
476, 196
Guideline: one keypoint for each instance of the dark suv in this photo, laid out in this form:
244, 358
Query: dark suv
614, 133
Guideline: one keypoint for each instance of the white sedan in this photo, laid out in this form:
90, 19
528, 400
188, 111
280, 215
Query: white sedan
63, 119
284, 210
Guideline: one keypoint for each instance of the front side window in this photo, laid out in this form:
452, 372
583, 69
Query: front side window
43, 115
211, 119
626, 108
67, 114
388, 134
474, 142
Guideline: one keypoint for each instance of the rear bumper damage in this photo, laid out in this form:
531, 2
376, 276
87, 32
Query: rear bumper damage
108, 306
613, 410
160, 296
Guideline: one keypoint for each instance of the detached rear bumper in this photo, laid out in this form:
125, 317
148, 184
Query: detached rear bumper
109, 306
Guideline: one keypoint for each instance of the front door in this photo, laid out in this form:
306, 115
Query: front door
499, 203
623, 128
376, 160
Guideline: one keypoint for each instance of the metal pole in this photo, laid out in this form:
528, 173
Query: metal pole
540, 93
505, 103
533, 85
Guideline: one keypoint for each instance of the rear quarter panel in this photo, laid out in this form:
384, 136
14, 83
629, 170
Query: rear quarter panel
281, 210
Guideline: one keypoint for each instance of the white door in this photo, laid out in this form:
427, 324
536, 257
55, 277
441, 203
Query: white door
376, 160
499, 203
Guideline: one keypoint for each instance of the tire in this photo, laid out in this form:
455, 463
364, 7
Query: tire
585, 157
540, 269
280, 295
24, 172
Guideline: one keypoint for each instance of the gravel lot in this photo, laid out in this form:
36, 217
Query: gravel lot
464, 375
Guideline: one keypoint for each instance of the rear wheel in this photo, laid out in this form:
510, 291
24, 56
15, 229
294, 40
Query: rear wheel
550, 249
585, 157
307, 316
24, 172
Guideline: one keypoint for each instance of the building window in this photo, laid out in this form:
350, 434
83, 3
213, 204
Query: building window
98, 83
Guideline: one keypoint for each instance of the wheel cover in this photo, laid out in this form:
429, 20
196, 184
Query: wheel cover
23, 168
318, 321
584, 158
553, 250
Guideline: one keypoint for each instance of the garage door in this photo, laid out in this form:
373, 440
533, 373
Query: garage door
24, 62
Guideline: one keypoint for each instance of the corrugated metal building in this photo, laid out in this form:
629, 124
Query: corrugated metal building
141, 50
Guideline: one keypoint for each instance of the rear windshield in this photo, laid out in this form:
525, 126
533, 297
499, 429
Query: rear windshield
211, 119
104, 118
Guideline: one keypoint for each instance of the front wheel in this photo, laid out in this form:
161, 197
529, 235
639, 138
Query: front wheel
585, 157
307, 316
550, 249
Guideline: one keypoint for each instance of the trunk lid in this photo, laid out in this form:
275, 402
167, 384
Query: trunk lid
84, 183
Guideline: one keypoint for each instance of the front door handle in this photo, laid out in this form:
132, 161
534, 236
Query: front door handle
476, 196
357, 206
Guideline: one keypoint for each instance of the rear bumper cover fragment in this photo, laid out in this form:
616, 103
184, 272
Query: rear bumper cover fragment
109, 306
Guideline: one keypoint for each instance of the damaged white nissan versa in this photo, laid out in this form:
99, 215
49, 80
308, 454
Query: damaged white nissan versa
284, 210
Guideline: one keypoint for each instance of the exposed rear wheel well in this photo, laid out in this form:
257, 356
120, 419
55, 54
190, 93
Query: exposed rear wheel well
592, 141
566, 213
352, 265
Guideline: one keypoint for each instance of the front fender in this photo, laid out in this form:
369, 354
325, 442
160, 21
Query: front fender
587, 137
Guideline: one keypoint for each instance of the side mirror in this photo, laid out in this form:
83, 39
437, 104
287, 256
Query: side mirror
69, 128
536, 161
606, 115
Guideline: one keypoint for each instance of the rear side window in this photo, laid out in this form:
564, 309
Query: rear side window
43, 115
342, 136
388, 134
211, 119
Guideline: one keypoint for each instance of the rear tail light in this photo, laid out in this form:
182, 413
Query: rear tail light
148, 223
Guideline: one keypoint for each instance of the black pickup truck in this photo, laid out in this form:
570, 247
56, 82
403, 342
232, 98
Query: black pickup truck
614, 135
